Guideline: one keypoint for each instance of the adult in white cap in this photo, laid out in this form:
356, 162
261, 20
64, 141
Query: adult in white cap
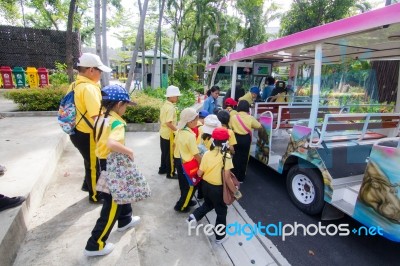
186, 151
87, 101
168, 122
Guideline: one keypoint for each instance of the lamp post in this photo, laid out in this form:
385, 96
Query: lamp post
208, 42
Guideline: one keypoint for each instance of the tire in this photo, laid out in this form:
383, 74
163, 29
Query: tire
306, 189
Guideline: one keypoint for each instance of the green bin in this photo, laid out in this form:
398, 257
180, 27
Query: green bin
19, 75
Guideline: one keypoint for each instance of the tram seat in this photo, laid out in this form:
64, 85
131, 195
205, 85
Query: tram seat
358, 126
288, 116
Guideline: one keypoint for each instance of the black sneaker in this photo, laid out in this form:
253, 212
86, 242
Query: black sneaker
85, 187
162, 172
7, 203
175, 176
192, 203
186, 210
100, 199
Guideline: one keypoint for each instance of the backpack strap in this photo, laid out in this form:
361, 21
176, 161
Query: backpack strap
82, 115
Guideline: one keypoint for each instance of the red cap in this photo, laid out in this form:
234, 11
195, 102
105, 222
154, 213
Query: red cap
231, 102
220, 133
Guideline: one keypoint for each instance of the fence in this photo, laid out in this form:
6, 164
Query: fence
25, 47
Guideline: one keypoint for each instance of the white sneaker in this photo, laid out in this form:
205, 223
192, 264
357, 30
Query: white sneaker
135, 221
191, 220
106, 250
220, 241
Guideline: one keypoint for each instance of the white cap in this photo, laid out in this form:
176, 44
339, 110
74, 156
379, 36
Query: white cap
187, 115
92, 60
172, 91
211, 122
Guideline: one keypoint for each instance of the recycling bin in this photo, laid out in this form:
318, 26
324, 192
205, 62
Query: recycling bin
43, 77
6, 76
19, 76
33, 78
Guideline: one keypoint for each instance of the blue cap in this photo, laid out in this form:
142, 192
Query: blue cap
116, 93
255, 90
203, 114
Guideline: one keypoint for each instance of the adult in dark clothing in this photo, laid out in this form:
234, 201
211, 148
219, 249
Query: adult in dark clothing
239, 92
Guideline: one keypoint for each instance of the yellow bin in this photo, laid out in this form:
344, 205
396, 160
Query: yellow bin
33, 77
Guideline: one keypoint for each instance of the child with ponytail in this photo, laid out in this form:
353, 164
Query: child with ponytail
213, 161
109, 134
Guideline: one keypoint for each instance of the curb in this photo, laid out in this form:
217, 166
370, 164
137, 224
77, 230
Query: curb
17, 230
130, 127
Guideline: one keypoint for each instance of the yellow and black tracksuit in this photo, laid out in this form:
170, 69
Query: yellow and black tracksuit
167, 114
185, 150
87, 101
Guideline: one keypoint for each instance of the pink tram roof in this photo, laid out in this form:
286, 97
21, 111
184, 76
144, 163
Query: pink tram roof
371, 35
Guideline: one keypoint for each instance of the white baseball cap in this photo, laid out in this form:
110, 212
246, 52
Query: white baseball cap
92, 60
211, 122
172, 91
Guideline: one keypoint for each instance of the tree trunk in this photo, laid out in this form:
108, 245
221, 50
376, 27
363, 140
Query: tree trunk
105, 76
135, 50
68, 51
158, 37
143, 51
97, 31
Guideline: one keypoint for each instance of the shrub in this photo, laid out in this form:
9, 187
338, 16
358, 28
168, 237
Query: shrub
186, 100
59, 76
142, 114
45, 99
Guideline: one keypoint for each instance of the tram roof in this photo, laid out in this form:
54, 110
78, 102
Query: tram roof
374, 35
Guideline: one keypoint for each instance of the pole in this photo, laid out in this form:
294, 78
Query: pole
208, 41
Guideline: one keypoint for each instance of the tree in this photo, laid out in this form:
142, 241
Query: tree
9, 11
69, 52
254, 24
158, 36
135, 51
305, 14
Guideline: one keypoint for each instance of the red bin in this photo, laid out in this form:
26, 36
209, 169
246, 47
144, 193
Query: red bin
6, 75
43, 77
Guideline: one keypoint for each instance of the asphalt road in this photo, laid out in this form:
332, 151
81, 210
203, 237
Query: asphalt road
265, 199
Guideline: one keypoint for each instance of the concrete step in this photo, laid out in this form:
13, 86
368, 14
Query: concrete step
30, 149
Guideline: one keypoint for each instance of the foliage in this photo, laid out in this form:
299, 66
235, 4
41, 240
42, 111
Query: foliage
40, 99
186, 100
254, 25
9, 11
59, 76
185, 76
305, 14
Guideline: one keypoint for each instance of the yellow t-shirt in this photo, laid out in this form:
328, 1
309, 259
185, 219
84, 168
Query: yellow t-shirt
87, 101
199, 138
185, 145
249, 121
113, 128
233, 112
167, 114
232, 138
247, 97
211, 164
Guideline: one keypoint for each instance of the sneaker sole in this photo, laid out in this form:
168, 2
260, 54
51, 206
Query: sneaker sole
107, 250
126, 227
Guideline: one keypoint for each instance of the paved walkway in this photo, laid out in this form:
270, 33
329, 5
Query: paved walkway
53, 225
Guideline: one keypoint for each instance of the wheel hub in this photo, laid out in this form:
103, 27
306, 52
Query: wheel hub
303, 189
